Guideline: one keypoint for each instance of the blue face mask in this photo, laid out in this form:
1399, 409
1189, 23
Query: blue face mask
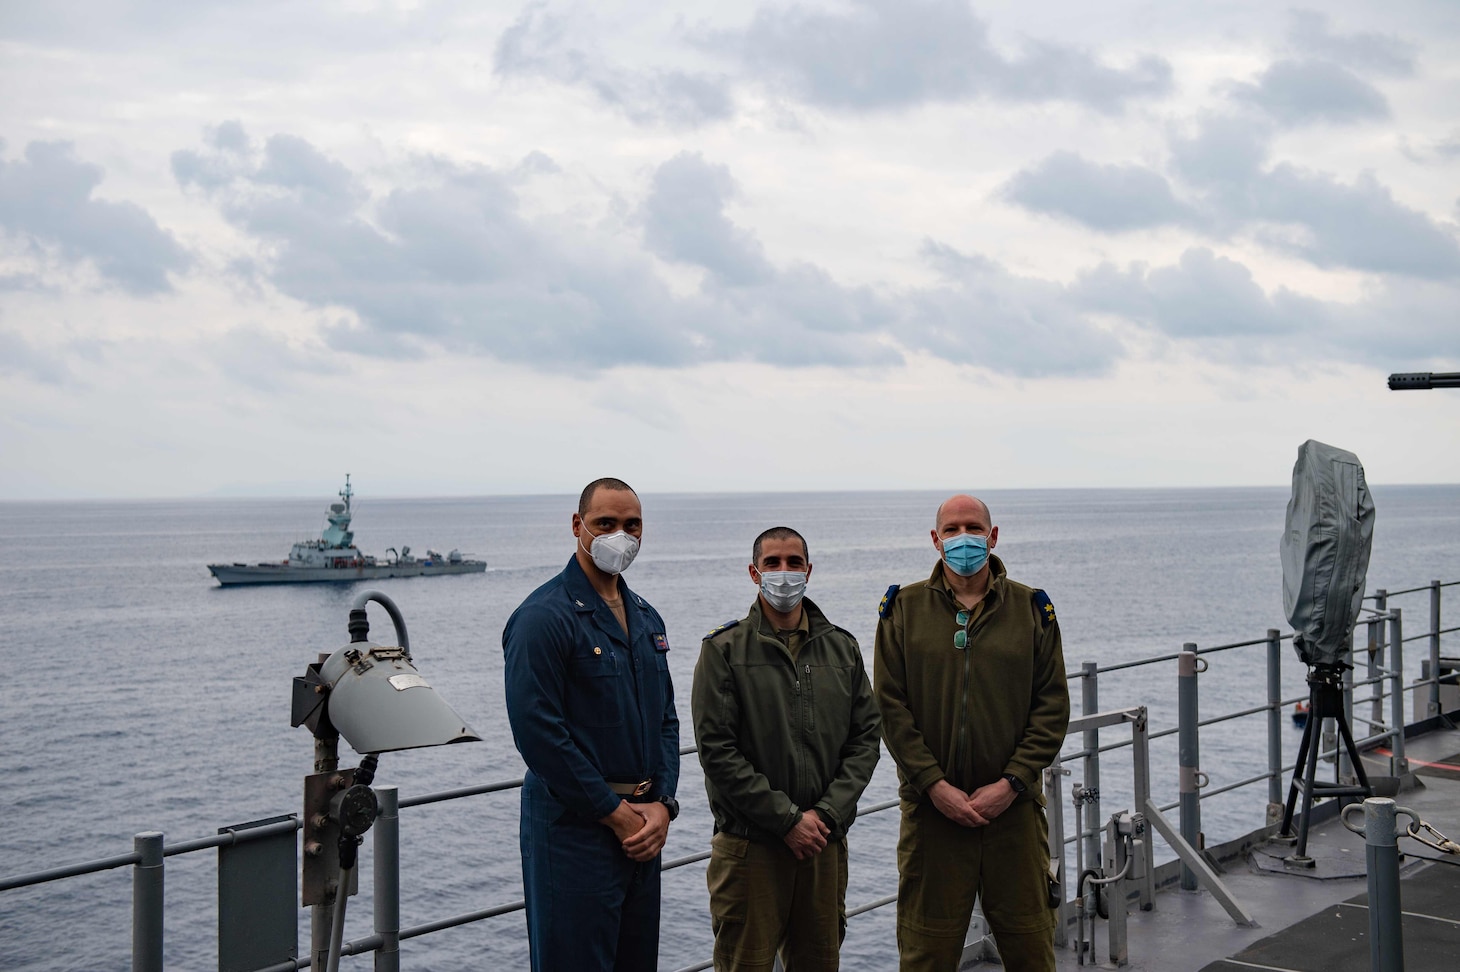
966, 553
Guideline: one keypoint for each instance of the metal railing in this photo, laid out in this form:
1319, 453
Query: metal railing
1384, 674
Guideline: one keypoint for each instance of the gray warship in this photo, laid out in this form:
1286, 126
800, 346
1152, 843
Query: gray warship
334, 558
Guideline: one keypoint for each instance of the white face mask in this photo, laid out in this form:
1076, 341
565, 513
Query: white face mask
783, 589
611, 552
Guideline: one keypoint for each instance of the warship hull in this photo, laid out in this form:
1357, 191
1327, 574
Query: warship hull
230, 575
334, 559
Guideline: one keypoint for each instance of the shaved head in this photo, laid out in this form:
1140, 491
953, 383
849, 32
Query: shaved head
585, 499
963, 514
960, 507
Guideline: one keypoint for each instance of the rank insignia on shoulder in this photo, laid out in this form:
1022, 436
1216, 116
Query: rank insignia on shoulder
884, 609
661, 642
724, 627
1044, 606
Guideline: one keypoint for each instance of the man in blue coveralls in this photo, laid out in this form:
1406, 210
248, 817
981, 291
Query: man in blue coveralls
592, 712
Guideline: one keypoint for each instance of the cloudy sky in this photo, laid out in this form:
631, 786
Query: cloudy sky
493, 247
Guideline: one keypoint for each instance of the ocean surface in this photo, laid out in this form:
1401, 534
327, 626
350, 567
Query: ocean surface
138, 695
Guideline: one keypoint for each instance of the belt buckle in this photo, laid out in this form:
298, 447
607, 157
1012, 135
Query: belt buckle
643, 788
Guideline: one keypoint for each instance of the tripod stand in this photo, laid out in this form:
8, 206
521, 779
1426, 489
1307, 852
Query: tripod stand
1325, 701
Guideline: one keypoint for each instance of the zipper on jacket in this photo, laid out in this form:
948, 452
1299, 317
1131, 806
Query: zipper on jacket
800, 736
959, 745
803, 706
810, 699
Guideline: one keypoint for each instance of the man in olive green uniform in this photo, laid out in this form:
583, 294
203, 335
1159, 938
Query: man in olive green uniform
970, 679
787, 730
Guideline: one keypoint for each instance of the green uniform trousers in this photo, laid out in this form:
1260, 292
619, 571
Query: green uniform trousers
943, 866
764, 901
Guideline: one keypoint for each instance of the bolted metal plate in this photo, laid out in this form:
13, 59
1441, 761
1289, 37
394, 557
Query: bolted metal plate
322, 838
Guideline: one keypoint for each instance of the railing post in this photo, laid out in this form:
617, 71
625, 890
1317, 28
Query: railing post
1089, 705
1381, 602
1381, 850
1345, 772
1377, 623
387, 879
147, 899
1376, 662
1055, 808
1274, 725
1141, 762
1189, 758
1115, 895
1399, 764
1434, 706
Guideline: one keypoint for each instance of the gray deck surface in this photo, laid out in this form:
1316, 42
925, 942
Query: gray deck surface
1317, 922
1337, 939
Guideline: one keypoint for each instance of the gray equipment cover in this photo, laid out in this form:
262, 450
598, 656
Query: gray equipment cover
1325, 550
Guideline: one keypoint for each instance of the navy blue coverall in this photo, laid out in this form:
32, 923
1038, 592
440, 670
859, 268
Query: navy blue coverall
588, 706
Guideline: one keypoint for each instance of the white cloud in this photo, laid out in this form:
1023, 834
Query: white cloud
863, 55
1381, 52
1214, 303
19, 357
545, 45
888, 54
1110, 198
47, 200
1285, 207
684, 220
1311, 91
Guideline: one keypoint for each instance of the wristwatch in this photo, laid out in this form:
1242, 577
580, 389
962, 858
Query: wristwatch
1015, 782
672, 805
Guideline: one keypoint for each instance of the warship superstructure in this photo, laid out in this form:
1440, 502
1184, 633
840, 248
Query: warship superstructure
335, 558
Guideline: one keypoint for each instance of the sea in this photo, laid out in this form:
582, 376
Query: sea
139, 695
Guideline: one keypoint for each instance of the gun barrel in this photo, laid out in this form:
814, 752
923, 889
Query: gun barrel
1424, 380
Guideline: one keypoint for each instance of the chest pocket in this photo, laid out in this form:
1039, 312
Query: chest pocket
830, 688
594, 692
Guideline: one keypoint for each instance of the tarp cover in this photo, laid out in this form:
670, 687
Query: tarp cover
1325, 550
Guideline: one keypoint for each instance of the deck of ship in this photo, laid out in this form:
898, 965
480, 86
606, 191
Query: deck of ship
1313, 921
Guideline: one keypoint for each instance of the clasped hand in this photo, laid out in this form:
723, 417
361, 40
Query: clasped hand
640, 827
808, 837
974, 809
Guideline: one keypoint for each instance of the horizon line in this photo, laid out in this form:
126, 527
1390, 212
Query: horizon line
687, 492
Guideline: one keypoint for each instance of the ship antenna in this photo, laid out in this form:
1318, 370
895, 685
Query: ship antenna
346, 493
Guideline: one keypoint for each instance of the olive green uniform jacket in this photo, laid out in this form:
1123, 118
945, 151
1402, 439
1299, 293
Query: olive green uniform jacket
970, 715
777, 736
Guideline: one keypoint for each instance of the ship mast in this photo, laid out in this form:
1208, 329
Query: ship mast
337, 535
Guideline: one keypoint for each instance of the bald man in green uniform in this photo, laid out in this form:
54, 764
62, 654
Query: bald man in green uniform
969, 674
